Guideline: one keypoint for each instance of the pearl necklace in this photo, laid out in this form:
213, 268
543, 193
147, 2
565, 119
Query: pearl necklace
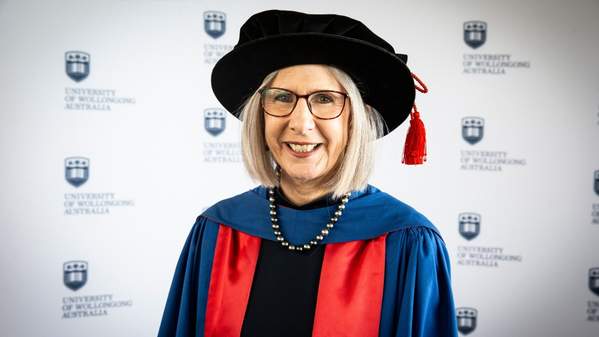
317, 239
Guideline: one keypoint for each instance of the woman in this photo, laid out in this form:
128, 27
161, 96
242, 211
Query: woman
313, 251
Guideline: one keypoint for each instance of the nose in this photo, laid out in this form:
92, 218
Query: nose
301, 119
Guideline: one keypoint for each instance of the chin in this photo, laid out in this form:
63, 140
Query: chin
303, 175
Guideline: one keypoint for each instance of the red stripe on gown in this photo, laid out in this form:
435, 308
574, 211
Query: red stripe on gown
350, 292
233, 267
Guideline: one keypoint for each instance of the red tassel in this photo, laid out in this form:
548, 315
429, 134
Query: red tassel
414, 152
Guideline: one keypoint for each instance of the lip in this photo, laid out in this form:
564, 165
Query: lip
301, 154
301, 143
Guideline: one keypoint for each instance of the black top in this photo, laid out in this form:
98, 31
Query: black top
283, 296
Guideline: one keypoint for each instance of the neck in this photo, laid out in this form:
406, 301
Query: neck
301, 192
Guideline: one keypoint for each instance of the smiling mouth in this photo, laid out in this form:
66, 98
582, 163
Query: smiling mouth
303, 148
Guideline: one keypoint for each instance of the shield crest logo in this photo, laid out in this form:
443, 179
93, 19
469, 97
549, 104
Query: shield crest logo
77, 65
472, 129
76, 170
215, 120
215, 23
466, 320
597, 182
475, 33
594, 280
469, 225
75, 274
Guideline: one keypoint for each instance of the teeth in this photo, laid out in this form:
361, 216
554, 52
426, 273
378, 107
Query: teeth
302, 148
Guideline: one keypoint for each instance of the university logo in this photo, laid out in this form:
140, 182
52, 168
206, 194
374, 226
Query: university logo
472, 129
76, 170
77, 65
215, 120
215, 23
597, 182
74, 274
475, 33
469, 225
594, 280
466, 320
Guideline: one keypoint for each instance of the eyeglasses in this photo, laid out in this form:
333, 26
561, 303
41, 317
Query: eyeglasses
323, 104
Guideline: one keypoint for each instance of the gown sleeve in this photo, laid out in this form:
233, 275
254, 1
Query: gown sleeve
186, 303
417, 300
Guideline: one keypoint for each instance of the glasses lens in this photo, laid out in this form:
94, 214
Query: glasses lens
278, 102
327, 104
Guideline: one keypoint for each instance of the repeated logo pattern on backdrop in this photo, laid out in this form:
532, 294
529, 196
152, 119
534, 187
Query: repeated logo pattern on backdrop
75, 275
595, 205
77, 65
594, 280
467, 318
475, 33
83, 201
469, 225
215, 120
217, 150
76, 170
472, 129
593, 304
490, 63
492, 242
474, 159
215, 24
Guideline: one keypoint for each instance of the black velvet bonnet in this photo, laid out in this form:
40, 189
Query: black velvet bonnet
276, 39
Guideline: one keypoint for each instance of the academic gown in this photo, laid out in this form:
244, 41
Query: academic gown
385, 270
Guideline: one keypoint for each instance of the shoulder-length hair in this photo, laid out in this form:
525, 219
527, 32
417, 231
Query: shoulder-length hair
355, 164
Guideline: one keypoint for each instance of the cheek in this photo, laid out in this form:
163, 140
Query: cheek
337, 137
272, 131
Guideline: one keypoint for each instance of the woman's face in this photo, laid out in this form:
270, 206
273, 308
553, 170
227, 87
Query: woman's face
306, 147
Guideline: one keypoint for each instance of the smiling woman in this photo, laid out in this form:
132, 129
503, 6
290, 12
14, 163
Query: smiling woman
343, 158
314, 250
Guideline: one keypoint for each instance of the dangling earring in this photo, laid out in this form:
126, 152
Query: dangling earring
278, 173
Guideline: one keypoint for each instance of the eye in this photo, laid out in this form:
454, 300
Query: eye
283, 97
322, 98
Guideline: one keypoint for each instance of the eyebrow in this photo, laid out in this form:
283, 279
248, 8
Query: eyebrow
309, 92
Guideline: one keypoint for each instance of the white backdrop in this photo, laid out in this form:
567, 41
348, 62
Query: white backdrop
97, 259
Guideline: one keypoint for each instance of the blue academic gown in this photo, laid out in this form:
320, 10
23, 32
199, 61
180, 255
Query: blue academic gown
417, 300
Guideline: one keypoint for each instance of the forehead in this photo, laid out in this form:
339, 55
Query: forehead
306, 78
